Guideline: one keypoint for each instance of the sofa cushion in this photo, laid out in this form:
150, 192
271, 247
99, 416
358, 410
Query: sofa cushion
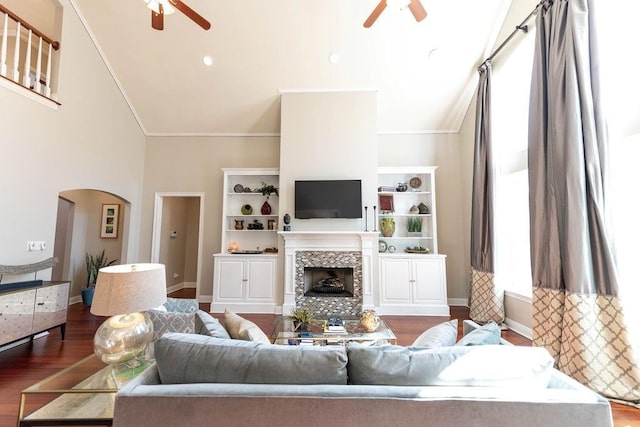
182, 305
397, 365
442, 335
486, 334
184, 359
242, 329
206, 324
165, 321
501, 366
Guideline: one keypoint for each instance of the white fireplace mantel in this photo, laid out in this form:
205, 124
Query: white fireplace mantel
360, 241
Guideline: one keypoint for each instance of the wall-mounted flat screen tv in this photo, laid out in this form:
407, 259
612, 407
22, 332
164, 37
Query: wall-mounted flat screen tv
328, 199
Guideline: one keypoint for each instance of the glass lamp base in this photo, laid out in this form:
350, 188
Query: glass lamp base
121, 338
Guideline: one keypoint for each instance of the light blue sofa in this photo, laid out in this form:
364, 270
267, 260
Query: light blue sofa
219, 381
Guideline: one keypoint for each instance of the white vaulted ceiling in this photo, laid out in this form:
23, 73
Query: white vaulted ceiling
424, 73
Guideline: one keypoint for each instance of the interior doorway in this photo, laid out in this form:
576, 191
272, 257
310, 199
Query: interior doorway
177, 238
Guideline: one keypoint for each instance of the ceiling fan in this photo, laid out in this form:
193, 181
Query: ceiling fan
159, 8
415, 7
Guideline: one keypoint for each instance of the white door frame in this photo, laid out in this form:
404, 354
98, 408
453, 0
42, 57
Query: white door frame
157, 226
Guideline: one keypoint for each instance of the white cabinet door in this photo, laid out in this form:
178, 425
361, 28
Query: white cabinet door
260, 280
395, 278
230, 279
428, 276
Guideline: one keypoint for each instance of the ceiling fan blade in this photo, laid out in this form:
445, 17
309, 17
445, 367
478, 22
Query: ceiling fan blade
418, 10
157, 19
375, 14
192, 14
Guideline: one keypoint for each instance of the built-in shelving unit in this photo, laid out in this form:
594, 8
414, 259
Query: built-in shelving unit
412, 271
245, 270
412, 187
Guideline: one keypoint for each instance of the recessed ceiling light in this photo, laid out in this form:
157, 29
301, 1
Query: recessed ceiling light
334, 58
207, 60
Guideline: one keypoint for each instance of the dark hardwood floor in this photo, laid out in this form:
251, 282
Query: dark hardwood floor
28, 363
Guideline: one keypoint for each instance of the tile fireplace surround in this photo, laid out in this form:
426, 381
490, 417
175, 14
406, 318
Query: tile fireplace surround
329, 249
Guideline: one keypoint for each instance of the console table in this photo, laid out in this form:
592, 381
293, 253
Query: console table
28, 308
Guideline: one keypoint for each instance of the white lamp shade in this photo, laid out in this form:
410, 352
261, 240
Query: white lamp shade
129, 288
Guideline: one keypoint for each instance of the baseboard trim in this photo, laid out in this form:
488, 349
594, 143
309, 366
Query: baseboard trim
190, 285
519, 328
462, 302
175, 288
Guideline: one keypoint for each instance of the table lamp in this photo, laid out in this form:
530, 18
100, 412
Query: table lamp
123, 292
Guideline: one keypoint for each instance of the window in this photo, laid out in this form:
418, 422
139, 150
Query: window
510, 115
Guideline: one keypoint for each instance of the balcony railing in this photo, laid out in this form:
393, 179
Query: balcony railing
23, 52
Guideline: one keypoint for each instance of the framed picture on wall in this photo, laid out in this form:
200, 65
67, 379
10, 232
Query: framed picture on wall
109, 224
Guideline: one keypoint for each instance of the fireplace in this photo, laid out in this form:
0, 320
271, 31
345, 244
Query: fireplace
326, 251
319, 271
328, 282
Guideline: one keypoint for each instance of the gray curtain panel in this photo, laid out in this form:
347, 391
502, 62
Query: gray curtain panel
486, 300
577, 314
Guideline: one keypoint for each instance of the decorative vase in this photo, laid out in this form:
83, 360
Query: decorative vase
423, 209
414, 210
370, 320
387, 227
239, 224
246, 209
87, 296
266, 208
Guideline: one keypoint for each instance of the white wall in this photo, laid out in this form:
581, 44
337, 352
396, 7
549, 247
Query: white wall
193, 164
91, 141
328, 135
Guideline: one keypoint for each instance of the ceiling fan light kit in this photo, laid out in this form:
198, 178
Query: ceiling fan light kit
159, 8
417, 10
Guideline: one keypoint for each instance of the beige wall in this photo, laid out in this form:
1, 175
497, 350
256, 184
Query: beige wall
193, 164
91, 141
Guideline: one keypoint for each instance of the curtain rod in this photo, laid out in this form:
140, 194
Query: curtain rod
522, 27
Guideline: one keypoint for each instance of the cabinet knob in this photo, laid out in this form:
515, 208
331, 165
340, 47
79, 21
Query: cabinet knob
40, 303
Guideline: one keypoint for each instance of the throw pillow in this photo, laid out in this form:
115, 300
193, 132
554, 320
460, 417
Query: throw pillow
206, 324
397, 365
164, 322
486, 334
501, 366
182, 305
214, 360
442, 335
242, 329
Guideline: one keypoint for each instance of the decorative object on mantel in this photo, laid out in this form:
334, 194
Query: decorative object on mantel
417, 250
374, 218
369, 320
246, 209
366, 219
423, 209
391, 249
387, 226
382, 246
287, 220
94, 264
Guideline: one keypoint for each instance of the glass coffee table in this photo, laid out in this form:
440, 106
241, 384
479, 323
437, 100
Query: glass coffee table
284, 333
81, 394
